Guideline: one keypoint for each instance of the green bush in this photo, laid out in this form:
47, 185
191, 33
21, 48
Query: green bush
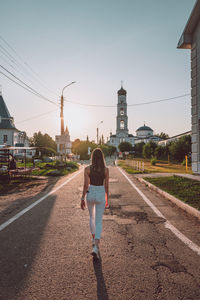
183, 163
153, 161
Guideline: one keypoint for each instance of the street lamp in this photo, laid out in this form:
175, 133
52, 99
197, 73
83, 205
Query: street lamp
62, 146
61, 107
98, 132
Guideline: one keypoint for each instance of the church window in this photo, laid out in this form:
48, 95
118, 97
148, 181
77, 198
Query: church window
5, 138
112, 141
123, 140
121, 124
121, 111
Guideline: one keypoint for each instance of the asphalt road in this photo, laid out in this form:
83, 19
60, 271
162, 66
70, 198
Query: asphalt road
45, 253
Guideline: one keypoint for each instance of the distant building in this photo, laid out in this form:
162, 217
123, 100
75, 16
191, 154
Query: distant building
122, 132
9, 134
8, 131
190, 39
174, 138
63, 142
143, 134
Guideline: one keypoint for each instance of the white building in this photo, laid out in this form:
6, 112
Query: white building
9, 134
190, 39
173, 138
8, 131
143, 134
63, 142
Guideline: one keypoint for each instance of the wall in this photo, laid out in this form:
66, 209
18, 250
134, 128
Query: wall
9, 133
195, 100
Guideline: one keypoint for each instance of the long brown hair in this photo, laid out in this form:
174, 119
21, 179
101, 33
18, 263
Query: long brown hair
98, 162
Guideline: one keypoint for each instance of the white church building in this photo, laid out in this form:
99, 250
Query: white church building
143, 134
9, 134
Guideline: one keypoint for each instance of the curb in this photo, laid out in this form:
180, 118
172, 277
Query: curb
189, 209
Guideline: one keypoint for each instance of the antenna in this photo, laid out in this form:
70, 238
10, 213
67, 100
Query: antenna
122, 83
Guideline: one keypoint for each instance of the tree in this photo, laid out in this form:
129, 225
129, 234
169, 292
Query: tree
161, 152
138, 149
148, 149
178, 149
125, 146
108, 150
163, 136
81, 148
44, 141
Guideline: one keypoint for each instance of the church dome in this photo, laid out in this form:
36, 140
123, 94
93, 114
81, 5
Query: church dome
144, 131
121, 91
144, 128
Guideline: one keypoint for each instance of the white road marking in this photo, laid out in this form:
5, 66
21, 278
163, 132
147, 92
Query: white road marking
21, 213
168, 225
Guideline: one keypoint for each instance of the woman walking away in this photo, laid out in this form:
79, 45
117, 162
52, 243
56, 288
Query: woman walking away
96, 180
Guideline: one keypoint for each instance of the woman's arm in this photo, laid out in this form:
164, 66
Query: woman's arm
85, 187
106, 185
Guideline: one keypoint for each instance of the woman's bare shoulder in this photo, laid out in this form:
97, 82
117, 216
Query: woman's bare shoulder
87, 169
106, 170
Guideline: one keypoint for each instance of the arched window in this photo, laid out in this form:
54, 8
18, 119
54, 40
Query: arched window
121, 124
121, 111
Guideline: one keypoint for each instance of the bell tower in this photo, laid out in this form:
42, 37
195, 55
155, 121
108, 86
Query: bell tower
122, 118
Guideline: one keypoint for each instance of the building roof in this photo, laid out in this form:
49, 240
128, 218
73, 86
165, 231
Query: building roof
144, 128
4, 113
185, 41
7, 124
6, 121
121, 91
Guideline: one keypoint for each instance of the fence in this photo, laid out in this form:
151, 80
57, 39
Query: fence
137, 165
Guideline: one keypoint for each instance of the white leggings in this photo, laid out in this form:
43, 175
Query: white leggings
96, 205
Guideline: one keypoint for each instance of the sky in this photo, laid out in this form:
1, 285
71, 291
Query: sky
48, 44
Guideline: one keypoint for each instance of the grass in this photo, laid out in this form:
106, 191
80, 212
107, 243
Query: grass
127, 168
185, 189
43, 169
160, 167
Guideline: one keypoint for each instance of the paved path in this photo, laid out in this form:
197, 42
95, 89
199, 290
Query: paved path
45, 254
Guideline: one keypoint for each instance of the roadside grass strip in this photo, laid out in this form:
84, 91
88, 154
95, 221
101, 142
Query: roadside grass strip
160, 167
21, 213
167, 224
187, 190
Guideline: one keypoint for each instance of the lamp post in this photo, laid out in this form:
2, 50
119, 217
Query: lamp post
98, 132
62, 116
61, 107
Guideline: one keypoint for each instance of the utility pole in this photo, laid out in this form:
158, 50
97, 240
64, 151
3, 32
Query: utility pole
97, 135
62, 130
98, 132
61, 114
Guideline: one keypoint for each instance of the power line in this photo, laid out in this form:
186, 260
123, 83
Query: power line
34, 74
136, 104
37, 116
18, 83
30, 88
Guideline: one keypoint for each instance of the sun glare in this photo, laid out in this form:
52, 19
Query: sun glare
77, 119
